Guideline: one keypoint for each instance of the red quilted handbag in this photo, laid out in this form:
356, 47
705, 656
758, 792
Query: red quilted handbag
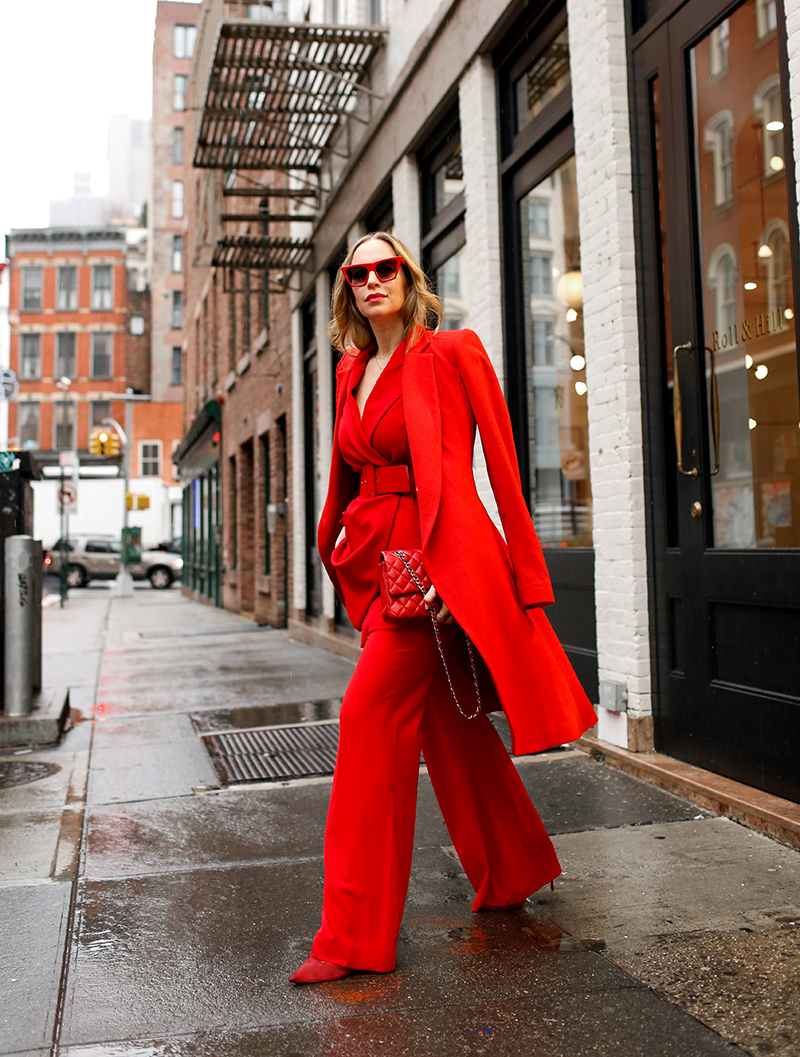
401, 596
404, 584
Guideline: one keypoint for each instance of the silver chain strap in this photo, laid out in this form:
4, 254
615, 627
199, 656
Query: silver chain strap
402, 556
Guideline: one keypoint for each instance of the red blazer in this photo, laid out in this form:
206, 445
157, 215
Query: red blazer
494, 588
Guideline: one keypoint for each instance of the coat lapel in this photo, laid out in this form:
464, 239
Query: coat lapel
424, 427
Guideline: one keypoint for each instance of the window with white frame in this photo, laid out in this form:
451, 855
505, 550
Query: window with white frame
67, 289
779, 272
177, 254
150, 458
177, 146
101, 409
102, 355
539, 219
177, 365
31, 289
102, 291
177, 310
179, 82
723, 274
720, 38
64, 425
28, 424
772, 117
541, 274
177, 199
766, 17
65, 356
30, 357
718, 140
137, 326
183, 41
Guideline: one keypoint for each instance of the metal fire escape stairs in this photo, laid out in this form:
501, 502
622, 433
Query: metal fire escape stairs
280, 98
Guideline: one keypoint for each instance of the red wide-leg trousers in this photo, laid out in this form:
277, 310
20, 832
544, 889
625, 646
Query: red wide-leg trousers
397, 703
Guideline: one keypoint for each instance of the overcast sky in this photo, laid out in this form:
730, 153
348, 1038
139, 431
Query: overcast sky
66, 68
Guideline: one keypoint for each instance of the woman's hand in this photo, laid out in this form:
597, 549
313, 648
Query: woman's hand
443, 616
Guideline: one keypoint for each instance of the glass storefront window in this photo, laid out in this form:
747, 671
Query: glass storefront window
555, 364
453, 291
746, 271
547, 75
448, 181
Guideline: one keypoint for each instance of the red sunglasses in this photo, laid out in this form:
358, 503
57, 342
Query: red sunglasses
385, 270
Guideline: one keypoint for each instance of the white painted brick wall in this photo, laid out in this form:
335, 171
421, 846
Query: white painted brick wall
325, 375
298, 462
405, 202
603, 162
477, 106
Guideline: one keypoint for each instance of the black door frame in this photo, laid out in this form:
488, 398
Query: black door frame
680, 552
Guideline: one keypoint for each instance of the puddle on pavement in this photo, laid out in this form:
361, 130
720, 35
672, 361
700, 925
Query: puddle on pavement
252, 716
21, 772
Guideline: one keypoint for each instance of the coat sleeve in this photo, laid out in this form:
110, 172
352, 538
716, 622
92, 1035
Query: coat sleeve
494, 424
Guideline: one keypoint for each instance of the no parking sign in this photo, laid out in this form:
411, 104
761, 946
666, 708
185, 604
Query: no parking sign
68, 498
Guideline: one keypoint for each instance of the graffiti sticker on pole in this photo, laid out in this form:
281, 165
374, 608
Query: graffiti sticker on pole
9, 384
68, 499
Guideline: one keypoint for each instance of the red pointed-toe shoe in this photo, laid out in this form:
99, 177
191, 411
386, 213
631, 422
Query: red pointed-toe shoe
316, 971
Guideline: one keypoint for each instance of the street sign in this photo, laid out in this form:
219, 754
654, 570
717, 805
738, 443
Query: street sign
68, 498
9, 384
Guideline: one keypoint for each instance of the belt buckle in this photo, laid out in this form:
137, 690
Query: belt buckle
368, 480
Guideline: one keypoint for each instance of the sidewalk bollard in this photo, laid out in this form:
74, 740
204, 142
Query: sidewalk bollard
36, 616
20, 589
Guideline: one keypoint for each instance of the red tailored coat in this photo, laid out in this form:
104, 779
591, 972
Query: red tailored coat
494, 588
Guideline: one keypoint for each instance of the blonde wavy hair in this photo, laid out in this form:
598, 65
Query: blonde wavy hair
421, 308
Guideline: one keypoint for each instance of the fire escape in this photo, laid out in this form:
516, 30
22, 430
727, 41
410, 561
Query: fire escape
279, 98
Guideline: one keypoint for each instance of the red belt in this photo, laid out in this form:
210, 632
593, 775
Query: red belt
380, 480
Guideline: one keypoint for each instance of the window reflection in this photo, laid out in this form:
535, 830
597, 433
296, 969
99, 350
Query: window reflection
452, 290
547, 75
746, 268
555, 361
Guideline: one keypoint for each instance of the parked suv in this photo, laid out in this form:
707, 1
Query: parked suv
98, 558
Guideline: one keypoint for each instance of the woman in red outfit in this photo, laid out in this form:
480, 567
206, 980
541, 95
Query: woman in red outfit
410, 399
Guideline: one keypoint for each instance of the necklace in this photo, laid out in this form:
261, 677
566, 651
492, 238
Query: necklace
382, 365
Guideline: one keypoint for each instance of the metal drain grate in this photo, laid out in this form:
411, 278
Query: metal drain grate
181, 633
274, 754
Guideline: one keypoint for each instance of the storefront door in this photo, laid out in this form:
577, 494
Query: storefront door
717, 239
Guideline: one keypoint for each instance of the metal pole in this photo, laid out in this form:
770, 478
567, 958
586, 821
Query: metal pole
63, 549
19, 595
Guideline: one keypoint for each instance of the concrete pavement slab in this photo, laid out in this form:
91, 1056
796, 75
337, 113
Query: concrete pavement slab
267, 668
626, 884
742, 983
148, 772
572, 793
34, 921
213, 950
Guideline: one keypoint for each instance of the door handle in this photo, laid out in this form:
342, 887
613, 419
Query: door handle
714, 409
677, 407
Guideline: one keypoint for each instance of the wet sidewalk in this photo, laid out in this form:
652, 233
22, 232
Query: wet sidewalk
149, 910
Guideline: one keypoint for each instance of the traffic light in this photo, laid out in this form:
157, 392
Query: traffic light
104, 442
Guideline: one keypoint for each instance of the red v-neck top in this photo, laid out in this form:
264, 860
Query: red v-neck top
374, 523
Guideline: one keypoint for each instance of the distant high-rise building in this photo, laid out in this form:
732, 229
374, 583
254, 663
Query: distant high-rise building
128, 165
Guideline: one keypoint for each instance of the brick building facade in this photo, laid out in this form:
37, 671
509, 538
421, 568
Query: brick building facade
70, 319
614, 231
173, 47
